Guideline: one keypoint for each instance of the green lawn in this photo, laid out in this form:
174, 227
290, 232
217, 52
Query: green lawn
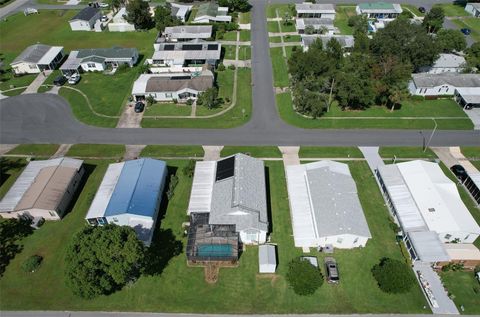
39, 150
168, 109
245, 17
275, 39
465, 289
12, 167
97, 150
281, 8
229, 51
471, 152
232, 118
255, 151
10, 81
453, 10
329, 152
292, 38
279, 65
413, 9
471, 23
245, 35
181, 285
284, 104
192, 14
290, 27
244, 53
289, 50
225, 91
341, 19
389, 152
272, 26
172, 151
228, 36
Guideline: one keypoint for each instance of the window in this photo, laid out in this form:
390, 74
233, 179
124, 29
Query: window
115, 220
91, 65
168, 95
52, 213
339, 240
431, 209
448, 236
252, 236
32, 66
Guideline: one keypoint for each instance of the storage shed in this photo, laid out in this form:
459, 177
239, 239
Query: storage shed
267, 259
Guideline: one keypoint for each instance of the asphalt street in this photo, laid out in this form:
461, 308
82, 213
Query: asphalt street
46, 118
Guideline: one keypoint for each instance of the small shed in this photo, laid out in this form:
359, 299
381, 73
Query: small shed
267, 259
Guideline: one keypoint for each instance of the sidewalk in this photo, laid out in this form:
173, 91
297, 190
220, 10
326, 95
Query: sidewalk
372, 156
37, 82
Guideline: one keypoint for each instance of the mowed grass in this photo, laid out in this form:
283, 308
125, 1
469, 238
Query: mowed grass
255, 151
236, 116
472, 24
292, 38
244, 53
168, 109
341, 18
39, 150
329, 152
12, 168
245, 17
413, 9
181, 285
244, 35
287, 113
279, 65
389, 152
225, 92
229, 51
273, 27
228, 36
97, 150
281, 8
465, 289
453, 10
172, 151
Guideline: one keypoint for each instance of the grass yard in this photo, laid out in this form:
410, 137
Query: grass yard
181, 285
255, 151
244, 35
229, 51
172, 151
453, 10
413, 9
11, 169
10, 81
192, 14
284, 104
279, 65
281, 8
232, 118
341, 18
38, 150
114, 151
273, 27
292, 38
225, 91
275, 39
388, 152
289, 27
168, 109
471, 152
244, 53
329, 152
245, 17
228, 36
465, 289
289, 50
471, 23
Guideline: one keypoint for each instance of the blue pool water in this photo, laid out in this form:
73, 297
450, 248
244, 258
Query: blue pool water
215, 250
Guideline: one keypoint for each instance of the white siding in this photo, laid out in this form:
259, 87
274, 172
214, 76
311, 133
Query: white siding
79, 25
26, 68
92, 67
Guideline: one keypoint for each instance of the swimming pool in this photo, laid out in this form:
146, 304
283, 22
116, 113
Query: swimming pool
215, 250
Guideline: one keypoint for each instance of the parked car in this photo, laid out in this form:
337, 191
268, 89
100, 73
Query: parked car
466, 31
139, 106
331, 269
422, 9
60, 80
103, 18
103, 5
459, 171
75, 78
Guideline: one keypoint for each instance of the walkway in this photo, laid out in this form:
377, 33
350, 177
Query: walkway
290, 155
444, 305
5, 148
132, 152
372, 156
474, 115
62, 150
212, 152
452, 156
37, 82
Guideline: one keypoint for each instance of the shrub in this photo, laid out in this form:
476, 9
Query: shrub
417, 98
231, 67
189, 169
393, 276
303, 277
175, 101
32, 263
221, 68
189, 102
171, 186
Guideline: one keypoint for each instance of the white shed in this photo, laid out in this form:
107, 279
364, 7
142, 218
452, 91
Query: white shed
267, 259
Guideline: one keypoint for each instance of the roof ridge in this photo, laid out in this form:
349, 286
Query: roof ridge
48, 181
136, 184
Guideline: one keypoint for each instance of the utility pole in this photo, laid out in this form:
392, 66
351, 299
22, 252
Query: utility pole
330, 96
431, 136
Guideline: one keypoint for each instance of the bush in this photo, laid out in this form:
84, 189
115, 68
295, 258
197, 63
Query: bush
171, 186
231, 67
221, 68
303, 277
393, 276
189, 169
189, 102
31, 264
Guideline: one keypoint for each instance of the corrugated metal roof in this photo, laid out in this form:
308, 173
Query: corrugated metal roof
139, 188
28, 177
266, 254
428, 246
50, 55
314, 7
202, 187
105, 191
36, 53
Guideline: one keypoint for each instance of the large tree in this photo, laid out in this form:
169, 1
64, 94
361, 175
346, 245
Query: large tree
393, 276
164, 18
138, 13
433, 20
101, 260
473, 56
209, 98
390, 76
303, 277
235, 5
451, 40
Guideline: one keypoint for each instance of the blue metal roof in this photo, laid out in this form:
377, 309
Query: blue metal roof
139, 188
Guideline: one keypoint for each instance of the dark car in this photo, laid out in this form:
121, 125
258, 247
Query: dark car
459, 171
139, 106
331, 269
466, 31
422, 9
60, 80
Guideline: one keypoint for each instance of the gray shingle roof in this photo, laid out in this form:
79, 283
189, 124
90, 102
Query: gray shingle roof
86, 14
167, 84
453, 79
113, 52
189, 31
314, 7
32, 54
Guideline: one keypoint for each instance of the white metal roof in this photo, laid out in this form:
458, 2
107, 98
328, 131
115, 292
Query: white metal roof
308, 7
25, 180
266, 255
428, 246
105, 191
50, 55
470, 95
202, 187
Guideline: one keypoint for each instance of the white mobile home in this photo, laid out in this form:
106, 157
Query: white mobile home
86, 19
37, 58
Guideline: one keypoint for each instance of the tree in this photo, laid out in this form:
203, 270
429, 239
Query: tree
138, 13
150, 100
433, 21
362, 42
164, 18
189, 169
11, 232
303, 277
451, 40
393, 276
235, 5
310, 29
335, 52
101, 260
287, 19
116, 4
358, 23
391, 76
209, 98
473, 56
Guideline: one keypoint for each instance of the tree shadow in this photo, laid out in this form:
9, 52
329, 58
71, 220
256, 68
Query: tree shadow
163, 248
269, 202
88, 168
6, 165
11, 232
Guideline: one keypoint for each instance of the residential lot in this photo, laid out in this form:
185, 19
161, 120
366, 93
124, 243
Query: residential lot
341, 18
472, 24
181, 285
465, 289
38, 150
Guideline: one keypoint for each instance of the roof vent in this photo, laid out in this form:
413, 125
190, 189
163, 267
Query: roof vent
431, 209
